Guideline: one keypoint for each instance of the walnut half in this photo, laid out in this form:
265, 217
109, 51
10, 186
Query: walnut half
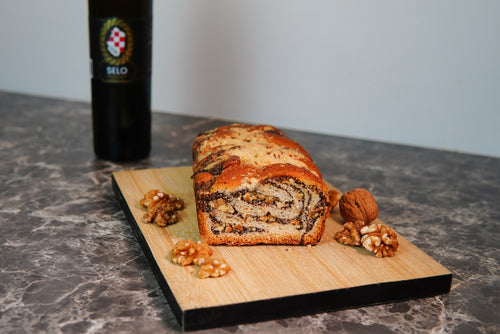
351, 234
213, 268
161, 208
334, 196
186, 252
379, 239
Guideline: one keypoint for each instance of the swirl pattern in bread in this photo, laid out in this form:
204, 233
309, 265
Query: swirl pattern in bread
254, 185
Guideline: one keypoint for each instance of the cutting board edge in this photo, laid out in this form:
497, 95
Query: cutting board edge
162, 282
312, 303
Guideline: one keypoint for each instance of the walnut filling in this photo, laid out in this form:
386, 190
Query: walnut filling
277, 204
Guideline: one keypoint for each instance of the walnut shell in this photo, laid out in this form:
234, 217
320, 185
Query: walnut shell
358, 204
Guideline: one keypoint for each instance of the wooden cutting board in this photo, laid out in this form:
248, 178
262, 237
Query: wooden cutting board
268, 281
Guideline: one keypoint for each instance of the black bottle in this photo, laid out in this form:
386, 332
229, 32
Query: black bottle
120, 59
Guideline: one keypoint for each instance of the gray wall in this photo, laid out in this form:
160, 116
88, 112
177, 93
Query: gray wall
425, 73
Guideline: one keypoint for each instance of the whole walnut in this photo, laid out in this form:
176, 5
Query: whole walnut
358, 204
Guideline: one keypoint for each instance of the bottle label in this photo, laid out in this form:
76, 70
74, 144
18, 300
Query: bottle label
120, 49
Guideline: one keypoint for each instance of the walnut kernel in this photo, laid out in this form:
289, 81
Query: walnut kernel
161, 208
379, 239
213, 268
186, 252
334, 198
351, 234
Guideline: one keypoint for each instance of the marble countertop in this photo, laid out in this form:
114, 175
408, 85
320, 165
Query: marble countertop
69, 262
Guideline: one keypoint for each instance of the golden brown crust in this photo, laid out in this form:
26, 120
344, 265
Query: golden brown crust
240, 171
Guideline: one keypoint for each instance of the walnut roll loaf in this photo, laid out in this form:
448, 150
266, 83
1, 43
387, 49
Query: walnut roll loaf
255, 185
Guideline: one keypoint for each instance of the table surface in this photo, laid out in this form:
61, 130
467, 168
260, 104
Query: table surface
69, 262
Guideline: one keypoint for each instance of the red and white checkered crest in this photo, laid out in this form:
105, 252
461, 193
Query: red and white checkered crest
116, 42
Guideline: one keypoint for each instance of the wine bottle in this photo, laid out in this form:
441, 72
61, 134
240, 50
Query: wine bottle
120, 35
